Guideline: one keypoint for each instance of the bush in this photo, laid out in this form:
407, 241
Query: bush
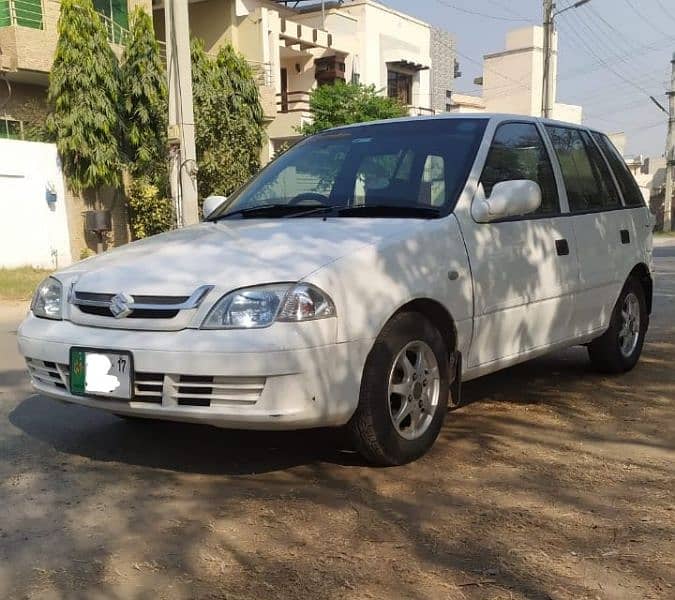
347, 103
150, 211
229, 125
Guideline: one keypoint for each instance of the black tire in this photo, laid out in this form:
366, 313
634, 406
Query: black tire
372, 428
605, 352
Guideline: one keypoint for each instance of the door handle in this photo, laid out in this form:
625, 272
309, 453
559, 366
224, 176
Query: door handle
625, 236
562, 248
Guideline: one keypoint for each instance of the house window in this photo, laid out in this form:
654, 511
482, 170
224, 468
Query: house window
10, 129
27, 13
399, 86
116, 18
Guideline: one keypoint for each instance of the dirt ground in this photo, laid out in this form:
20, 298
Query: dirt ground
552, 482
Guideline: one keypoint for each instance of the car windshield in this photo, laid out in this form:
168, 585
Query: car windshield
413, 168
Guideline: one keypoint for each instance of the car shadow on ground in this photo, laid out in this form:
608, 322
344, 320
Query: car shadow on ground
201, 449
182, 447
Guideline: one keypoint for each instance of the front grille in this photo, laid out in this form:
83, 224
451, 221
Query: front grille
158, 388
148, 387
48, 373
140, 299
104, 311
198, 390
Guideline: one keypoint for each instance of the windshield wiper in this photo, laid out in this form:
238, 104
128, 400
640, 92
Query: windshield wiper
312, 210
269, 210
389, 210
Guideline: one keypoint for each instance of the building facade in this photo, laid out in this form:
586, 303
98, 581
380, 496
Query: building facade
444, 69
28, 36
512, 79
296, 46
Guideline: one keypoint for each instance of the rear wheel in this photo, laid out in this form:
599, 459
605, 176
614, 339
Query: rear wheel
619, 348
404, 392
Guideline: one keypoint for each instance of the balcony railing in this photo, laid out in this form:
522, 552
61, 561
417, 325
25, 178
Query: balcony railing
116, 33
288, 102
420, 111
29, 13
26, 13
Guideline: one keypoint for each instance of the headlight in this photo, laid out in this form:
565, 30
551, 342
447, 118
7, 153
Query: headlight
260, 306
47, 300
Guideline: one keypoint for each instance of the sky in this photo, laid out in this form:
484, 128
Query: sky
612, 55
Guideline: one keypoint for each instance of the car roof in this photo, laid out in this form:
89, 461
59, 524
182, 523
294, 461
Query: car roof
478, 116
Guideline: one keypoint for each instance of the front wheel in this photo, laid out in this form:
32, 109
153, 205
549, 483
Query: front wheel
619, 348
404, 392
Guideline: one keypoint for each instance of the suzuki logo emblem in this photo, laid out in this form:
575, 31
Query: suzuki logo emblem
119, 305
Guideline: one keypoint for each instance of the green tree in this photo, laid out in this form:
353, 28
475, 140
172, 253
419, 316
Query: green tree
84, 99
144, 120
229, 128
347, 103
144, 100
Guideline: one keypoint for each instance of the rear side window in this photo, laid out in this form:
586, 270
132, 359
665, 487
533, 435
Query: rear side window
587, 179
629, 187
518, 152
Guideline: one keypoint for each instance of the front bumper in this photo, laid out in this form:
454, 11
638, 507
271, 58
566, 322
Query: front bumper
200, 376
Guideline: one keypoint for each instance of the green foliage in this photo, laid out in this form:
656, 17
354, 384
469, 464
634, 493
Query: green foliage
144, 100
347, 103
228, 120
151, 212
33, 113
144, 123
84, 97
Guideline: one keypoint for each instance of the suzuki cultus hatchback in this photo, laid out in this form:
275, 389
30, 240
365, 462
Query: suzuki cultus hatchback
357, 280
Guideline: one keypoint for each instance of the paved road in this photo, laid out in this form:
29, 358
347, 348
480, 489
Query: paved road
554, 482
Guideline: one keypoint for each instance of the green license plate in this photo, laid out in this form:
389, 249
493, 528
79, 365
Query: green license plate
106, 373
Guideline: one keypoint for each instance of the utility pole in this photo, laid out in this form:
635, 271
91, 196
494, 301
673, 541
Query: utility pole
183, 170
547, 83
670, 152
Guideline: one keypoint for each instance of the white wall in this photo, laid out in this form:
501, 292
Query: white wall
32, 233
571, 113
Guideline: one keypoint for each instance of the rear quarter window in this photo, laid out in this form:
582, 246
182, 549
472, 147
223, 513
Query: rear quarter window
632, 195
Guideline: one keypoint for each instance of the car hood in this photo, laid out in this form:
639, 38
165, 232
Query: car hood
230, 254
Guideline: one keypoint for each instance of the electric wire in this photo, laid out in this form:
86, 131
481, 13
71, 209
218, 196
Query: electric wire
480, 14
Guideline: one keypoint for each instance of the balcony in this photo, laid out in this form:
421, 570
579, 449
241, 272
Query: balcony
420, 111
26, 13
292, 113
28, 37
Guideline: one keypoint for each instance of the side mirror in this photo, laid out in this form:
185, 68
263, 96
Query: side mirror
508, 199
210, 204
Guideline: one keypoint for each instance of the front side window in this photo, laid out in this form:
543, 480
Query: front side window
518, 152
587, 180
388, 169
629, 187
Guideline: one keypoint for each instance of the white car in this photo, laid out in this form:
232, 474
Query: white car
357, 280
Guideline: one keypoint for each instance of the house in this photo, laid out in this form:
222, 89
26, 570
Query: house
512, 79
28, 36
297, 46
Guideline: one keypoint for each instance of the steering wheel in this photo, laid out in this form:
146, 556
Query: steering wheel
309, 196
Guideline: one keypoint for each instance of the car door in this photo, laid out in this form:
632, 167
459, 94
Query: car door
599, 225
636, 216
524, 268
